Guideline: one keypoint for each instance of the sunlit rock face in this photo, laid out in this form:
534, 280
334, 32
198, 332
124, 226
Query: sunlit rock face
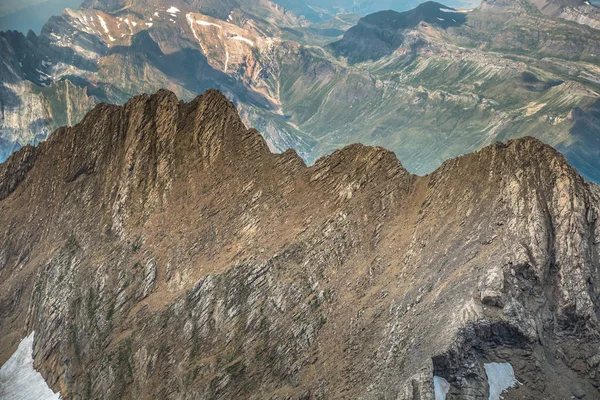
159, 250
19, 380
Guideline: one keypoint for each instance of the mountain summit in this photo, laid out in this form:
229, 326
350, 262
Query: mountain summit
159, 249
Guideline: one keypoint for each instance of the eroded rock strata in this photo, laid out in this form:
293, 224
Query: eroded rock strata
160, 250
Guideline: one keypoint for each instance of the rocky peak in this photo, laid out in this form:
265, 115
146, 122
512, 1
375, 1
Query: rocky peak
159, 248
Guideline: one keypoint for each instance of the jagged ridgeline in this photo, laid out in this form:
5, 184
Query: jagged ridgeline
160, 250
429, 83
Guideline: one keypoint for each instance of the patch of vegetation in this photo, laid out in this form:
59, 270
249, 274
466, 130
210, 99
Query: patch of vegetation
75, 343
322, 321
72, 244
92, 305
124, 357
137, 244
236, 369
111, 311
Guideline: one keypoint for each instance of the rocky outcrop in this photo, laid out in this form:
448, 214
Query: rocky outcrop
159, 249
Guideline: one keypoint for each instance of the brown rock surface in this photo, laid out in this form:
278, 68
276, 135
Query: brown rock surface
159, 250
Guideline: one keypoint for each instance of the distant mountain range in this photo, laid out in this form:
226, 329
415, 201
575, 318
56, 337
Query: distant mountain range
430, 83
24, 15
323, 10
32, 15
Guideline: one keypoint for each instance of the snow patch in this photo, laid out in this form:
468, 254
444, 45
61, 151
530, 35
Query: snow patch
441, 19
206, 23
156, 15
441, 387
226, 59
18, 378
190, 21
501, 377
149, 24
243, 39
103, 24
447, 10
173, 10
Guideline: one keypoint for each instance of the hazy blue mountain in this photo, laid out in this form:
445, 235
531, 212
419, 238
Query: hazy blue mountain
322, 10
35, 16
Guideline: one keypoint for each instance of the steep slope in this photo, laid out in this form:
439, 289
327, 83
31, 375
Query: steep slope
159, 249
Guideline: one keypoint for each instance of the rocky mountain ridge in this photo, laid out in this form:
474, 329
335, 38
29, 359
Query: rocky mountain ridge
159, 249
435, 90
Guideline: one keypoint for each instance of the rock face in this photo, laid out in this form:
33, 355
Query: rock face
160, 250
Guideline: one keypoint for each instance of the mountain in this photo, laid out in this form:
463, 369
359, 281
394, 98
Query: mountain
380, 34
29, 15
579, 11
441, 84
327, 9
429, 84
11, 6
160, 250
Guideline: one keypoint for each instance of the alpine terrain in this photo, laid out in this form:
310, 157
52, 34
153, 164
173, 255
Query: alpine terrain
429, 84
160, 250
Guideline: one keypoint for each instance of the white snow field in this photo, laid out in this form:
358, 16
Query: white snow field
19, 380
501, 377
440, 387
